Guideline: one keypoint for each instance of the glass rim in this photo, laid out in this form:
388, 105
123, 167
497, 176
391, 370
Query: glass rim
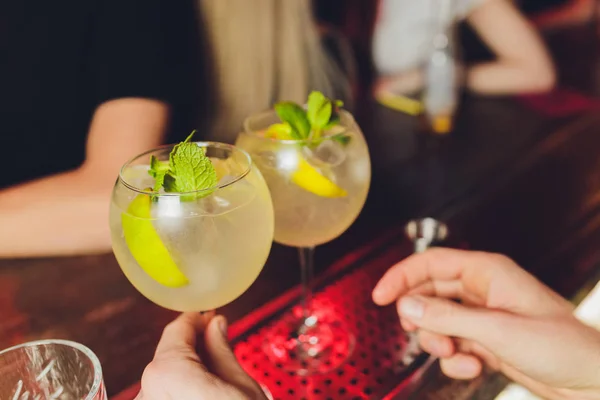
96, 385
252, 132
218, 186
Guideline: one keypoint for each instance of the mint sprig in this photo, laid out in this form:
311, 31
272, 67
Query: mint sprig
294, 116
158, 170
320, 115
188, 170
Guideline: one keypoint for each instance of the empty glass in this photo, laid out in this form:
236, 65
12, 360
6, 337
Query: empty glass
50, 369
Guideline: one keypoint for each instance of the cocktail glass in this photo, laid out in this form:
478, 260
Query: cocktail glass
193, 251
318, 189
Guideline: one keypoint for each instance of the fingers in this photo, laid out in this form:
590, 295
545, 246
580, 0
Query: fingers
181, 335
461, 366
408, 326
434, 265
448, 318
223, 362
435, 344
447, 289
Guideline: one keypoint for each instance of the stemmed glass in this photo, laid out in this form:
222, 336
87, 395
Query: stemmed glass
193, 251
50, 369
318, 187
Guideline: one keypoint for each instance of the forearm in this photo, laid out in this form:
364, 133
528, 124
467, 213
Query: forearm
64, 214
503, 77
522, 64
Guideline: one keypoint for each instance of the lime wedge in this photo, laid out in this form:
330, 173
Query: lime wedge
146, 246
310, 179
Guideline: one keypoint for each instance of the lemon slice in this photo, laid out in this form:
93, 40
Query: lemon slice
146, 246
310, 179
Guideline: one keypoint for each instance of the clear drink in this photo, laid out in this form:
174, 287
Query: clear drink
302, 217
218, 242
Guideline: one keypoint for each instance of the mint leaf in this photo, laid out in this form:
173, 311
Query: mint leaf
296, 117
170, 183
316, 102
176, 149
158, 170
319, 111
188, 170
323, 116
191, 169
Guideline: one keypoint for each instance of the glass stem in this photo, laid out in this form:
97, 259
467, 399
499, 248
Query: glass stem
307, 258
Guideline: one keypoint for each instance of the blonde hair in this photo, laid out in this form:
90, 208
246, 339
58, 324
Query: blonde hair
264, 51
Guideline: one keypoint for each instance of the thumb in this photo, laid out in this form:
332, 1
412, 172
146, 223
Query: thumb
449, 318
223, 362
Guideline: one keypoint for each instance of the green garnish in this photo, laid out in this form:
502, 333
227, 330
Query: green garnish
295, 117
321, 114
188, 170
281, 131
158, 170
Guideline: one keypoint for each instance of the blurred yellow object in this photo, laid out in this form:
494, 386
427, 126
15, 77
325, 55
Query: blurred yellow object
441, 124
399, 103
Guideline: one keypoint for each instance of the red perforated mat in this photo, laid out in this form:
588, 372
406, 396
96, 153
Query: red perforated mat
383, 356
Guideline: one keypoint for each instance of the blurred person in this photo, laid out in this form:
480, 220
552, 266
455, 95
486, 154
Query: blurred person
85, 86
506, 320
264, 51
404, 36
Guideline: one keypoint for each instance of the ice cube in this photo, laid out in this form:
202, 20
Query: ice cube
284, 160
266, 159
221, 202
330, 153
167, 207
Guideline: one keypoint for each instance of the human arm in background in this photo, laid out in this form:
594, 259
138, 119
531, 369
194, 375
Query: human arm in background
522, 63
139, 71
67, 213
507, 320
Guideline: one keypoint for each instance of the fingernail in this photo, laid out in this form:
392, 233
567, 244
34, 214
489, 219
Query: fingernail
412, 308
378, 292
223, 326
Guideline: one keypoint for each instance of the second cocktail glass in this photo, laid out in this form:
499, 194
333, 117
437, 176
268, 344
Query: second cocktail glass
318, 187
